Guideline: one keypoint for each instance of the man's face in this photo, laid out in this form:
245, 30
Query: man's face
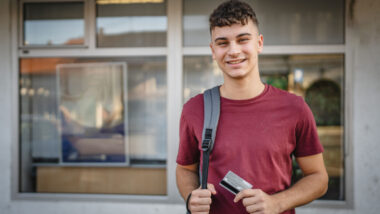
235, 48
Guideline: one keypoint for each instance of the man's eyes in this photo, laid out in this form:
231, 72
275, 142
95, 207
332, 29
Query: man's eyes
222, 43
242, 40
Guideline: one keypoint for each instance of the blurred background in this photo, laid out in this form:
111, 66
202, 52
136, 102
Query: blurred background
92, 92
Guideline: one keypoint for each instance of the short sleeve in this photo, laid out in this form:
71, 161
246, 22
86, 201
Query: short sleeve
306, 134
188, 152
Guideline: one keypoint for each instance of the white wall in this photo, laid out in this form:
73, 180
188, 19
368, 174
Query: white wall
364, 46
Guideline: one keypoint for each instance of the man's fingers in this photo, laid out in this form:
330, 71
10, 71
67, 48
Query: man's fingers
203, 208
254, 208
202, 193
248, 201
238, 197
243, 194
211, 187
200, 201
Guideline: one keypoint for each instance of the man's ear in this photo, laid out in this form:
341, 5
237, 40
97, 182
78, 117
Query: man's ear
260, 43
212, 50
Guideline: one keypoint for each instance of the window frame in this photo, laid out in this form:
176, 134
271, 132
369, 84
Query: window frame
174, 51
21, 25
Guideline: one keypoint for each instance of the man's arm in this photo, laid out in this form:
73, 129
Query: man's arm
188, 182
312, 186
187, 179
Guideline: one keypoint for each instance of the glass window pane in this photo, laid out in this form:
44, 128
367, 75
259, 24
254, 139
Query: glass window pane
317, 78
131, 24
85, 112
292, 22
91, 104
53, 23
200, 73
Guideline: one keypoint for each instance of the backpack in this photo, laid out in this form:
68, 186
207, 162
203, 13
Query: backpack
211, 98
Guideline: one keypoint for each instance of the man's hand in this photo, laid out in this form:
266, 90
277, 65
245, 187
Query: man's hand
257, 201
200, 200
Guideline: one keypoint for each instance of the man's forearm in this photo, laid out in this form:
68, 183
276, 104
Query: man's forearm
304, 191
187, 181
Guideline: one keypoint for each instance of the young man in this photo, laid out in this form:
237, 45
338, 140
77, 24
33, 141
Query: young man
260, 127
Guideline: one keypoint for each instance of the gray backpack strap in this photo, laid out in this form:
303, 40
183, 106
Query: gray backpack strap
211, 98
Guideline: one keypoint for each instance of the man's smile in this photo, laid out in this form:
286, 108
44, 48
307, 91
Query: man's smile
235, 61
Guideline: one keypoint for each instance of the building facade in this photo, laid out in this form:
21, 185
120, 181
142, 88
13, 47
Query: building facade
92, 91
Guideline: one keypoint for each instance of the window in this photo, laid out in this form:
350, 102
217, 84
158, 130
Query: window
294, 22
53, 24
316, 76
93, 121
131, 24
84, 112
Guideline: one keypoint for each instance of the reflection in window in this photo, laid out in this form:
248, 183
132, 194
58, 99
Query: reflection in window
131, 24
53, 23
199, 73
317, 78
289, 22
93, 106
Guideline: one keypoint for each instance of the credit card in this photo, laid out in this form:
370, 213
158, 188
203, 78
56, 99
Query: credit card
233, 183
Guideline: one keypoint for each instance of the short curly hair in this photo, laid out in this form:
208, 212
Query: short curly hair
232, 12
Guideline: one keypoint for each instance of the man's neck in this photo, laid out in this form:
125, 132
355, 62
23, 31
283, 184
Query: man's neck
242, 89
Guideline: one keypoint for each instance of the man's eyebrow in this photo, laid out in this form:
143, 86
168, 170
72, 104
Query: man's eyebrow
244, 34
225, 38
220, 38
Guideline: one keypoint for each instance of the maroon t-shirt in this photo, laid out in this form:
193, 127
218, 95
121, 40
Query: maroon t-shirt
255, 139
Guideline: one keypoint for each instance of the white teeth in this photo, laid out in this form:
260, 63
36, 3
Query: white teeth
235, 62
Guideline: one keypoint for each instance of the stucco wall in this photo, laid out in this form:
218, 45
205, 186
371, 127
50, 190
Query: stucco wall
5, 106
367, 105
363, 43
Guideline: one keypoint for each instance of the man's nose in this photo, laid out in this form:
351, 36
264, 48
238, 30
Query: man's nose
234, 50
